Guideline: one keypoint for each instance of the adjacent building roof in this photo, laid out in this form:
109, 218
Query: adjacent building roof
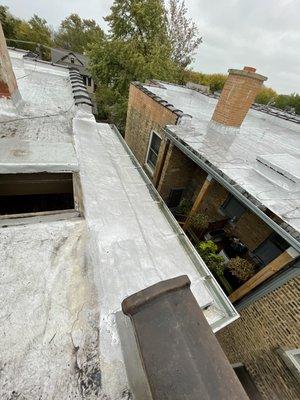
64, 280
261, 159
60, 56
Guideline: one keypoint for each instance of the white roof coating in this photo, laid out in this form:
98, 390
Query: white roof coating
46, 112
234, 152
63, 280
132, 244
20, 156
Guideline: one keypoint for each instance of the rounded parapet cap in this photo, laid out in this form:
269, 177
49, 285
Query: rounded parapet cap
133, 303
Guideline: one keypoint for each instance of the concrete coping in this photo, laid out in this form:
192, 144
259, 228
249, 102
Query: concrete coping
247, 74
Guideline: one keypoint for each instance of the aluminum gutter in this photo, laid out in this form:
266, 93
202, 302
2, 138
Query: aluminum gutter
203, 270
215, 174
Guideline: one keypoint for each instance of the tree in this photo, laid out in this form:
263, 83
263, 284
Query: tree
265, 95
138, 48
37, 32
9, 22
214, 81
183, 33
76, 34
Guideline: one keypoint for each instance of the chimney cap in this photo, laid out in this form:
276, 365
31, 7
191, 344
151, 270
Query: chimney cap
249, 69
247, 72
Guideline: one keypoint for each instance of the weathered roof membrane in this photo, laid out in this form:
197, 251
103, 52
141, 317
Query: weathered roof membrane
234, 152
64, 280
23, 156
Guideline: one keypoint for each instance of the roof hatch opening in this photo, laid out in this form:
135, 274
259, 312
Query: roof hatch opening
36, 192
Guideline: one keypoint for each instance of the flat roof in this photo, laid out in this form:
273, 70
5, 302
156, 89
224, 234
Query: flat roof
64, 280
234, 152
23, 156
141, 242
47, 107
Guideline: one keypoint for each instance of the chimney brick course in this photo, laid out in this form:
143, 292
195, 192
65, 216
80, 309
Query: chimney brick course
238, 94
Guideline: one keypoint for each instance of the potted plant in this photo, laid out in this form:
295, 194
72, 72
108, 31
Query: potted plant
199, 222
183, 210
208, 251
241, 268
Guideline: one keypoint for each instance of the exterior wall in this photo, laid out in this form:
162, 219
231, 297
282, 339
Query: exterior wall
270, 322
213, 201
251, 230
177, 172
144, 115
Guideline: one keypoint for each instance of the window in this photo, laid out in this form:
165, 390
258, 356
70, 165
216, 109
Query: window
37, 192
232, 208
84, 80
153, 150
291, 358
270, 249
72, 60
89, 81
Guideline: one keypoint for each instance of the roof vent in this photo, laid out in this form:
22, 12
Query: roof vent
282, 169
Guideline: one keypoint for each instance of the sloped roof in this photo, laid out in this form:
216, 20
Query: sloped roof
59, 56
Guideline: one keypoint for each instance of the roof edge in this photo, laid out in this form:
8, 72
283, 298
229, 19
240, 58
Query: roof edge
285, 230
255, 106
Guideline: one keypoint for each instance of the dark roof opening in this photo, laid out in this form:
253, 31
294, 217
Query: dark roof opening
30, 193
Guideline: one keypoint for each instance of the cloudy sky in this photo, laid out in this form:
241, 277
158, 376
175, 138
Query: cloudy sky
261, 33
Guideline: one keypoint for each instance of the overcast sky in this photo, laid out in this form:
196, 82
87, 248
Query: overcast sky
261, 33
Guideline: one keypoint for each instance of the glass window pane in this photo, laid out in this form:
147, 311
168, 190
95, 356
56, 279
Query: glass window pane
152, 158
155, 143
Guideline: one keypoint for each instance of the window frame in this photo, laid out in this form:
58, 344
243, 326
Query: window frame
288, 357
150, 168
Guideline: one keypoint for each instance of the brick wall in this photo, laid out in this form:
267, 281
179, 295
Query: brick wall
238, 94
177, 172
216, 196
251, 230
144, 115
8, 83
271, 322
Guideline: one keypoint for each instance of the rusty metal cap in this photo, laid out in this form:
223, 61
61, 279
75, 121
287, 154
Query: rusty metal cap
133, 303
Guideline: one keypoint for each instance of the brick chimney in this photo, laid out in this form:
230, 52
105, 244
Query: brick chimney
8, 83
238, 94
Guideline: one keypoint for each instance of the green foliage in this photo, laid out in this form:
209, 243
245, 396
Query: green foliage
137, 49
214, 81
76, 34
200, 221
207, 251
241, 268
9, 22
266, 95
37, 31
288, 102
183, 33
184, 207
